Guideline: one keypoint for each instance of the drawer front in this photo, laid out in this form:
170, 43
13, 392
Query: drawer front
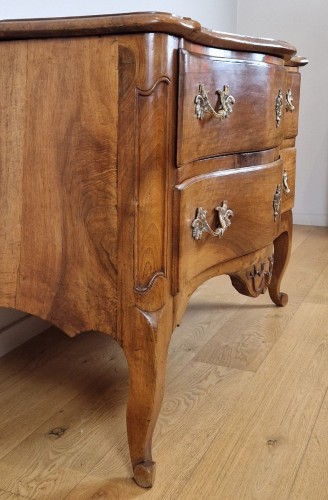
251, 125
249, 193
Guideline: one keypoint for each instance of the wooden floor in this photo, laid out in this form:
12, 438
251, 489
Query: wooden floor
245, 414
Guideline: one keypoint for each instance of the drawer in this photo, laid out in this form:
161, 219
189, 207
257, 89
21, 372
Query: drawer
251, 125
288, 156
249, 193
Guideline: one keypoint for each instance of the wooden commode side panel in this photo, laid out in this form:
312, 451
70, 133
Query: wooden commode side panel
68, 261
249, 194
251, 125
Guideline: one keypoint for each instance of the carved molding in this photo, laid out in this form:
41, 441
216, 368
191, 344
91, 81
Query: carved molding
152, 317
254, 280
150, 251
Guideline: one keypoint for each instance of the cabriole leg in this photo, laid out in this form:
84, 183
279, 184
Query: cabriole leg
146, 353
282, 249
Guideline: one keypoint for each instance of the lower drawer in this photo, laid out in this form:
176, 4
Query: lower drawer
209, 233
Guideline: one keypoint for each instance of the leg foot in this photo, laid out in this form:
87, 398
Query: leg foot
146, 353
282, 248
144, 473
280, 299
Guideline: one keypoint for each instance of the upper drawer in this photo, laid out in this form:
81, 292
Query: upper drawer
251, 125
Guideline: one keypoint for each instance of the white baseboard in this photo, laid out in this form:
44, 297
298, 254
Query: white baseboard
310, 219
19, 332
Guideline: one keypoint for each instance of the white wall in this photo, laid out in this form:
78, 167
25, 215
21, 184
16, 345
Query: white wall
304, 24
15, 327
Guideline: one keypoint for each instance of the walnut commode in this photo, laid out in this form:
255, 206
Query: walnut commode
140, 155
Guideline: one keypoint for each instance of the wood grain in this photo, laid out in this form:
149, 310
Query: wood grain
252, 124
5, 495
13, 60
145, 183
275, 416
69, 222
61, 425
311, 480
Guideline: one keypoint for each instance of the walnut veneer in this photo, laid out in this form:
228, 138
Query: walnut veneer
108, 160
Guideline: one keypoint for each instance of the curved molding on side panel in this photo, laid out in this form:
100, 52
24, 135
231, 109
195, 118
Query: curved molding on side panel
162, 79
149, 285
152, 153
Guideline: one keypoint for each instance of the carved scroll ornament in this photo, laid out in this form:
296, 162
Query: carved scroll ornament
255, 280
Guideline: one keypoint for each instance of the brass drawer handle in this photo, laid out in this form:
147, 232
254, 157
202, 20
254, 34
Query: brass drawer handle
200, 225
289, 101
203, 105
276, 203
279, 104
285, 186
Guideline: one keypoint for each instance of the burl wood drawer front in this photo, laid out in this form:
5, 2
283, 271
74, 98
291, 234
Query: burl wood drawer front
251, 125
249, 193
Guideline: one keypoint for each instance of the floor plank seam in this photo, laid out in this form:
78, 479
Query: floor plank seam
307, 444
235, 368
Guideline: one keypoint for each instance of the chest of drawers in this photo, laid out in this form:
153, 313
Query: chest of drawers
140, 155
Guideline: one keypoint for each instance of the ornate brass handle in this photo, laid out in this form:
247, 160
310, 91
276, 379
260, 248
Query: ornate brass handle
276, 203
285, 186
203, 105
289, 101
279, 103
200, 225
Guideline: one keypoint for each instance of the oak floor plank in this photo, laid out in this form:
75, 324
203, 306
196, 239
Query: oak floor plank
246, 340
300, 234
39, 462
319, 292
5, 495
258, 453
200, 400
32, 354
29, 399
311, 482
